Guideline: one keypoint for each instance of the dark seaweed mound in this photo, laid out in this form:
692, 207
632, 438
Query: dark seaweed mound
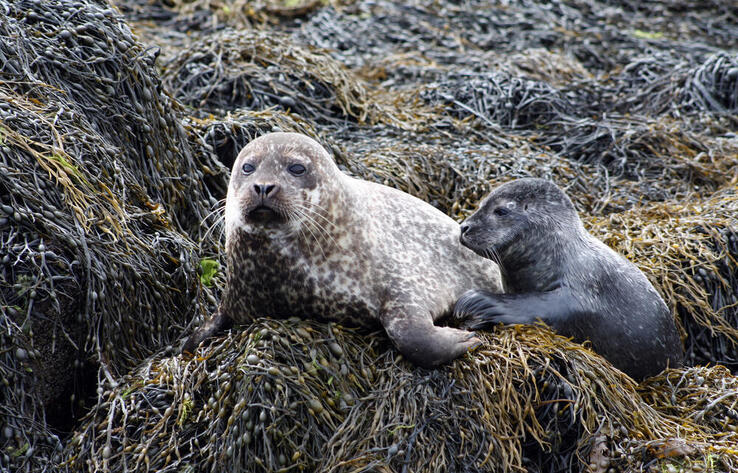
118, 126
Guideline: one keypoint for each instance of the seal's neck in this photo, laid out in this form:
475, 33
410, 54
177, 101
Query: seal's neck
539, 266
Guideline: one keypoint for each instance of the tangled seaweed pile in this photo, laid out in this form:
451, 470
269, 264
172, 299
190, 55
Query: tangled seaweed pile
691, 251
296, 394
97, 215
111, 169
257, 70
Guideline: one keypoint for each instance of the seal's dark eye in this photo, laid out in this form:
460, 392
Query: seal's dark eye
297, 169
248, 168
500, 211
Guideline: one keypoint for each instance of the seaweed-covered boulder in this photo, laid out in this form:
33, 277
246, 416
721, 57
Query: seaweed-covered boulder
255, 70
109, 200
295, 394
511, 102
99, 194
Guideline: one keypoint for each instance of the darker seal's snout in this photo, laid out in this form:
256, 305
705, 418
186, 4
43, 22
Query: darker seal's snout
468, 228
464, 237
472, 236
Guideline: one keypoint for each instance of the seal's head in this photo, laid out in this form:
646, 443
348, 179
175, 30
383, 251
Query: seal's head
516, 212
277, 181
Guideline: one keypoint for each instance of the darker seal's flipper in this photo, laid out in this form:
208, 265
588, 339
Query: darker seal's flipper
217, 323
482, 310
478, 303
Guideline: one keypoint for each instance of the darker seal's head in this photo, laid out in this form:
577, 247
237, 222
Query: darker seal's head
276, 179
515, 213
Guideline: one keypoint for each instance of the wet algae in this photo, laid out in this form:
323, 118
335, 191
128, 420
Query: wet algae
118, 126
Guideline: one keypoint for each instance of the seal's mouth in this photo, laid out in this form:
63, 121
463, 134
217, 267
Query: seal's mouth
471, 241
264, 214
466, 239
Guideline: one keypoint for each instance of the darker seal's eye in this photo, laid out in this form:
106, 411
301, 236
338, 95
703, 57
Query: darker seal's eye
297, 169
500, 211
248, 168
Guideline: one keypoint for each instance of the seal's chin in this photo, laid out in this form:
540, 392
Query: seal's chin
470, 243
264, 215
480, 248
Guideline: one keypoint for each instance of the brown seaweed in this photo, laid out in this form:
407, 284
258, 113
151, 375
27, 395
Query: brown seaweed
114, 157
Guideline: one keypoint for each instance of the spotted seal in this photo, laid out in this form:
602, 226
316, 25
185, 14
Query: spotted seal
303, 238
555, 271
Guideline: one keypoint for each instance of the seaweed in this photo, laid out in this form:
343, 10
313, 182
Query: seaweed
114, 157
297, 394
255, 70
96, 181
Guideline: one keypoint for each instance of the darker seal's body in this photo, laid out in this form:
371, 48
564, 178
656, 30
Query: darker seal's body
302, 238
556, 272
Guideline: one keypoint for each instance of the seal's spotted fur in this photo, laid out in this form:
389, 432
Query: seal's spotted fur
323, 244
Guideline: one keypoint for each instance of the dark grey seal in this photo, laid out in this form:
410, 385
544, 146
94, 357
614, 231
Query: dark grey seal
302, 238
556, 272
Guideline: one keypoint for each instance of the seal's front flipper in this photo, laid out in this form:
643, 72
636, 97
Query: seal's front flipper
478, 302
217, 323
423, 343
483, 309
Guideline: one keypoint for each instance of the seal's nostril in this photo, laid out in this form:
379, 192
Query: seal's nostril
264, 189
464, 228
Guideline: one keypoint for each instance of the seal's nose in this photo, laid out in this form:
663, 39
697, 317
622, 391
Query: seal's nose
464, 228
264, 190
